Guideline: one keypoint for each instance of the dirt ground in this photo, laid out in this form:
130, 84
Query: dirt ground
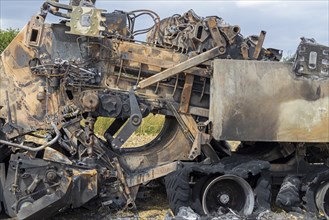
153, 208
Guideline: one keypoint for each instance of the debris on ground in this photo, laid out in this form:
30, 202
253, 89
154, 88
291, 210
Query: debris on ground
186, 213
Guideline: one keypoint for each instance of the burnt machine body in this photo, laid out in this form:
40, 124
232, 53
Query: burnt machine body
212, 84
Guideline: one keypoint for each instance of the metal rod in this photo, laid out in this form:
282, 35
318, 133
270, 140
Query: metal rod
59, 5
8, 107
34, 149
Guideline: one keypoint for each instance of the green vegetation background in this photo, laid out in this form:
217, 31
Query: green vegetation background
6, 36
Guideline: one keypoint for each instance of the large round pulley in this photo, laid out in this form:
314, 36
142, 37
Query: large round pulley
228, 192
322, 199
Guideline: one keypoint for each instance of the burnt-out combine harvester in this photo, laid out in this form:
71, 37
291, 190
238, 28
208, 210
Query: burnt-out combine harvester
212, 85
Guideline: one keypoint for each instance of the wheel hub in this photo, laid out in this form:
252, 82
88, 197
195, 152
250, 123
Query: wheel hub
228, 192
224, 198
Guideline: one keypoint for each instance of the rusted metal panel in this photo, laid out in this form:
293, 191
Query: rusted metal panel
22, 86
266, 101
29, 101
68, 75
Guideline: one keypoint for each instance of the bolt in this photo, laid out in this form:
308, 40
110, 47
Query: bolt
224, 198
222, 49
51, 175
135, 120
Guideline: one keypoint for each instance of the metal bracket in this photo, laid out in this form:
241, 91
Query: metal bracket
202, 142
86, 21
201, 138
312, 59
34, 31
216, 35
196, 147
196, 134
133, 123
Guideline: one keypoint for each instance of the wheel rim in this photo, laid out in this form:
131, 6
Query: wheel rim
228, 192
322, 199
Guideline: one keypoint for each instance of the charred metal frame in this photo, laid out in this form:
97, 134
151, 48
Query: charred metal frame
210, 83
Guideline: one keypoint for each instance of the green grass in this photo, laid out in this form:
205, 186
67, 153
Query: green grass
151, 125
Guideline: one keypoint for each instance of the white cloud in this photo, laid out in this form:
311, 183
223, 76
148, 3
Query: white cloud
248, 3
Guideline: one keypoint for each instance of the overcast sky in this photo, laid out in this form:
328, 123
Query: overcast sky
284, 21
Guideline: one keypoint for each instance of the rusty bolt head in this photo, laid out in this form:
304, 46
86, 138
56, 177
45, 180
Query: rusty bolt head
212, 22
51, 175
135, 120
90, 101
41, 94
222, 49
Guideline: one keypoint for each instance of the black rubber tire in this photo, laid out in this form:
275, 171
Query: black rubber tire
314, 182
263, 194
197, 192
178, 189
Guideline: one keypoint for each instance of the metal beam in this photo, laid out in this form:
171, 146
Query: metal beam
151, 174
186, 93
179, 68
259, 44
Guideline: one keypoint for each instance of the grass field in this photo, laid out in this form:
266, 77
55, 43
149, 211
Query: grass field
151, 125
